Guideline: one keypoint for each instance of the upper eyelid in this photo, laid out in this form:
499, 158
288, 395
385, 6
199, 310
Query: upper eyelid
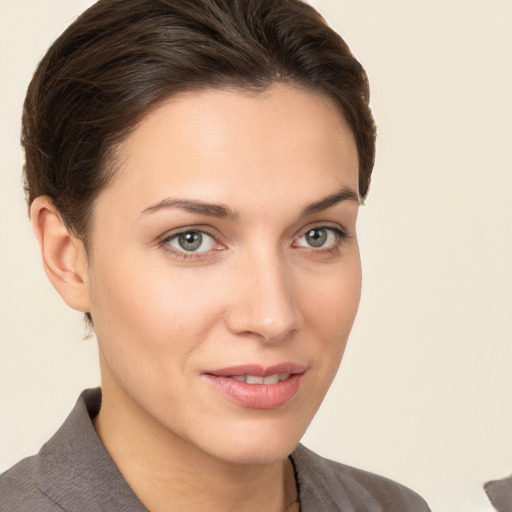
198, 229
322, 225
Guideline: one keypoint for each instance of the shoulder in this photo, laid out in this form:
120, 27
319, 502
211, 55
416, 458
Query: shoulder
53, 479
20, 491
72, 471
328, 485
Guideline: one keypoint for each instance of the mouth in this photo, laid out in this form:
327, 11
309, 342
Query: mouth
258, 387
257, 379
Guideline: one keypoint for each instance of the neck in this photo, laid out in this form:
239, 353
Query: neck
162, 468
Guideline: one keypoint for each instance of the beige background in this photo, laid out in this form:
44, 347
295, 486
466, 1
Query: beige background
425, 391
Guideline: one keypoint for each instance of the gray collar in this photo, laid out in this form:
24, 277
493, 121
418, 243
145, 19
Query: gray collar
75, 470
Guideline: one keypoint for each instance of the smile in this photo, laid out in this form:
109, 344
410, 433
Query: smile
256, 387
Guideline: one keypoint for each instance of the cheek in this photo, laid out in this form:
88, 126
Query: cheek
329, 310
148, 311
150, 327
332, 300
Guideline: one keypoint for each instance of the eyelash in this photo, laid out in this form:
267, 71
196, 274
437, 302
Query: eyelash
188, 255
339, 233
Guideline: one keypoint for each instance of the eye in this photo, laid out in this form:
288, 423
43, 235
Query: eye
320, 238
191, 241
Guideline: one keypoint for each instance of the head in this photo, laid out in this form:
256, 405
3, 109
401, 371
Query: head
122, 58
194, 169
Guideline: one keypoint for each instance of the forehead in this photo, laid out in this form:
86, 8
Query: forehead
213, 142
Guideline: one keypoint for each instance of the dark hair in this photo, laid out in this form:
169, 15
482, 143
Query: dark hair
121, 58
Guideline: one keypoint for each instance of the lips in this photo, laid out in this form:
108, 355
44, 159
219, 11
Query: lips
258, 387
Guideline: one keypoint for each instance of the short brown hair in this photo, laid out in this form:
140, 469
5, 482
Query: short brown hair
121, 58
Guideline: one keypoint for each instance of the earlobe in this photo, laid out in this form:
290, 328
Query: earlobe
64, 256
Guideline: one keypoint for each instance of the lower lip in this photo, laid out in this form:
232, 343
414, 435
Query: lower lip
257, 396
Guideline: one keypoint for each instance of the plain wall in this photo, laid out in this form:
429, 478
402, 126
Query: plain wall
424, 394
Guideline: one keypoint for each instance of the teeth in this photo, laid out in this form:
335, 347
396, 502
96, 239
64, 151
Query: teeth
271, 379
255, 379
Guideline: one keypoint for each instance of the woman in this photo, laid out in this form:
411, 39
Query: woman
194, 170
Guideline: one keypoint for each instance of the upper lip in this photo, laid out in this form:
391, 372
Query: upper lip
258, 370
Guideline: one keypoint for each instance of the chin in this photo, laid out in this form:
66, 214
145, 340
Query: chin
261, 453
256, 443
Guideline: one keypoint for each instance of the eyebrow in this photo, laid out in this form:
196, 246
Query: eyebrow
344, 194
195, 206
224, 212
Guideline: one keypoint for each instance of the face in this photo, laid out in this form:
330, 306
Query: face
225, 273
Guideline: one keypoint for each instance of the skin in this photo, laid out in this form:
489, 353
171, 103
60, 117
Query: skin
256, 291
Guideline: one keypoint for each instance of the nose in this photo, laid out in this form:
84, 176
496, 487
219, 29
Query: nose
264, 303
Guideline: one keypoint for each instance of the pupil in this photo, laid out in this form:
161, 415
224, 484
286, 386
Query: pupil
190, 241
316, 237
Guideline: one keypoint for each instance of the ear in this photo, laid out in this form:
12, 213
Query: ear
64, 256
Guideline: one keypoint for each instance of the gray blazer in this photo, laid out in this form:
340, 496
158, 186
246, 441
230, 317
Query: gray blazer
74, 472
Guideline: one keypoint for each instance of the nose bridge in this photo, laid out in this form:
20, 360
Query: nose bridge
265, 304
